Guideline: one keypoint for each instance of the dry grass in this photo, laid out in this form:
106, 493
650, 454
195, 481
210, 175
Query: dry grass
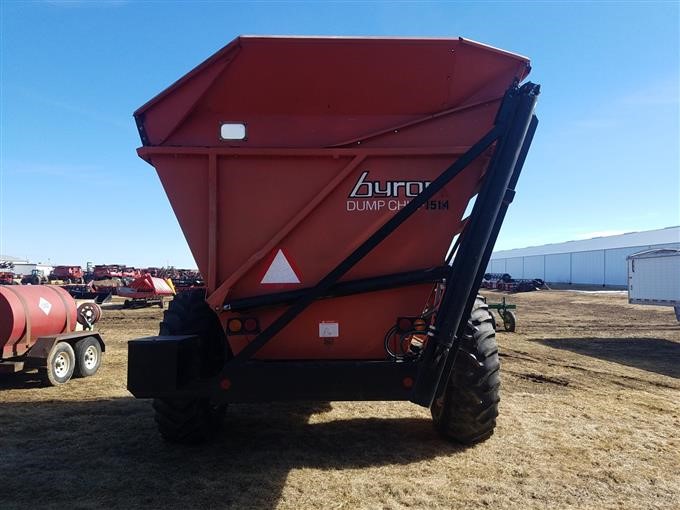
589, 419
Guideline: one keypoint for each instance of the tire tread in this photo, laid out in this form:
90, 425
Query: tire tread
192, 421
467, 411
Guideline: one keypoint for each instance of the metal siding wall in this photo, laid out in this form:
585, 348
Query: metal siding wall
558, 268
534, 267
587, 267
497, 266
661, 246
615, 265
24, 269
515, 267
596, 267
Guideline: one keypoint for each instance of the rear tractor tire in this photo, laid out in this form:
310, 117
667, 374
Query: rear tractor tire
466, 411
195, 420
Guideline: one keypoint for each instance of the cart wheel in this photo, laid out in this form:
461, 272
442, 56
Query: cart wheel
61, 363
465, 410
509, 321
88, 357
193, 420
188, 421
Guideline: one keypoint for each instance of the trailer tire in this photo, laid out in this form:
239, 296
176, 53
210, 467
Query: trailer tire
191, 421
61, 362
88, 354
466, 411
509, 321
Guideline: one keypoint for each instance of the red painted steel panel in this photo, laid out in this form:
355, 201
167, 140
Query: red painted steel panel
314, 92
340, 134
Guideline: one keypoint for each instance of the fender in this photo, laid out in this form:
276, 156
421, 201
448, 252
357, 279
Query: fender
38, 353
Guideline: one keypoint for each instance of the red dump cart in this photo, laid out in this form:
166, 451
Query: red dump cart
341, 196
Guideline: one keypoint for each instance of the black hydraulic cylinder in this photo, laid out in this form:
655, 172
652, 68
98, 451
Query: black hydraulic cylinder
494, 235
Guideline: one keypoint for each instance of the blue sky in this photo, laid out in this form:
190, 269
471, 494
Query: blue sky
605, 159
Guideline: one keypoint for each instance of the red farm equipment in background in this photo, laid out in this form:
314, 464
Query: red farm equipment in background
146, 290
506, 283
107, 271
321, 184
130, 273
67, 274
6, 273
6, 278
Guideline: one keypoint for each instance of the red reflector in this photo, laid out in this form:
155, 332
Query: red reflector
225, 384
407, 382
250, 325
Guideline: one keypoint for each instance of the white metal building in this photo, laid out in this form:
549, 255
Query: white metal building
25, 268
9, 258
597, 261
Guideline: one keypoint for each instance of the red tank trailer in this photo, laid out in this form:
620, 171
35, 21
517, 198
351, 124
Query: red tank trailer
38, 330
341, 197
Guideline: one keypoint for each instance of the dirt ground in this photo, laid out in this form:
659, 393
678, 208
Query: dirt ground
589, 418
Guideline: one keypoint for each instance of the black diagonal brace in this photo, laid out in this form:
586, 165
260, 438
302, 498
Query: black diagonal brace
347, 288
489, 249
477, 242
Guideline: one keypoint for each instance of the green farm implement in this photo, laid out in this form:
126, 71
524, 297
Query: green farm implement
504, 311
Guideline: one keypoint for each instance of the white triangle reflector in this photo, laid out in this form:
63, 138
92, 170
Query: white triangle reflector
280, 271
